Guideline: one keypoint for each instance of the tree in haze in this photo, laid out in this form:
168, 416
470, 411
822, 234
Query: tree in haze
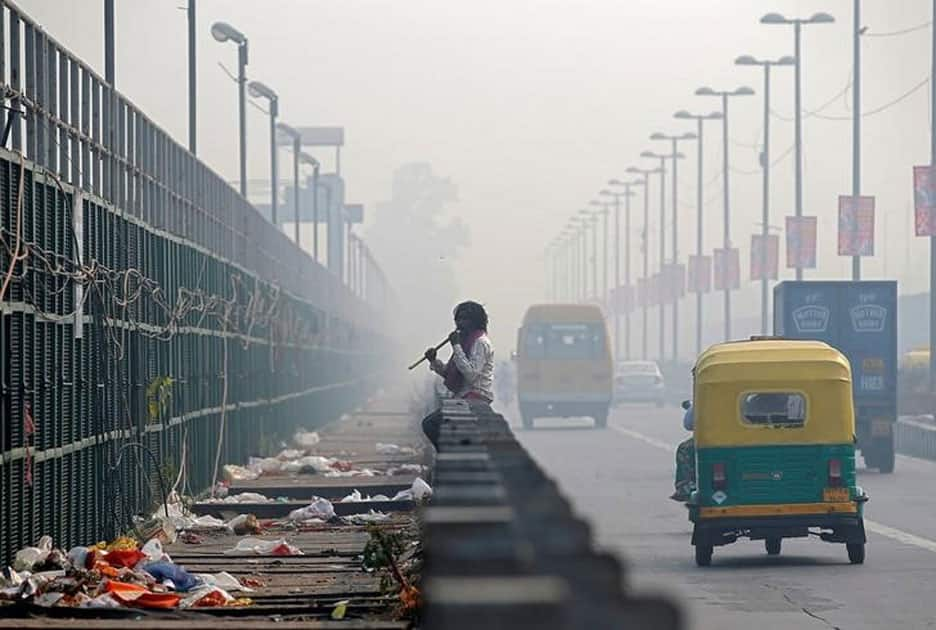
417, 246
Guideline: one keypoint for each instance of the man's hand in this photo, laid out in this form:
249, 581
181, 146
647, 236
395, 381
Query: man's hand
454, 338
430, 355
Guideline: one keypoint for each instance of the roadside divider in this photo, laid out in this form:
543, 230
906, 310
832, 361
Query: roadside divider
503, 547
916, 436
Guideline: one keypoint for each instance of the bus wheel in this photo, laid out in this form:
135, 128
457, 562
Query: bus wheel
856, 553
703, 555
773, 546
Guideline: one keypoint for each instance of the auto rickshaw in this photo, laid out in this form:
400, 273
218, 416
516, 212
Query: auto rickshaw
775, 447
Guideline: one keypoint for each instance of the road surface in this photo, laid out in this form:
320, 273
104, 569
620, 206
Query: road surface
620, 479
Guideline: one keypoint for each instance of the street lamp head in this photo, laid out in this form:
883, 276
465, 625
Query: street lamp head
305, 158
714, 116
222, 32
287, 130
743, 91
747, 60
706, 91
659, 136
688, 136
786, 60
596, 202
821, 18
650, 154
774, 18
604, 192
258, 90
616, 182
683, 115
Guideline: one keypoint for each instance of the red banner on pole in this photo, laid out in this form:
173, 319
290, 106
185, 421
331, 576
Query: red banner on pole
801, 242
856, 226
700, 274
924, 200
727, 269
773, 256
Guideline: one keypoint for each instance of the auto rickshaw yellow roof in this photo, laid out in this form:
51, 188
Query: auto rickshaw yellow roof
762, 359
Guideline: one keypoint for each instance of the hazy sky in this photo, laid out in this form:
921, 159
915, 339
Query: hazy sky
531, 106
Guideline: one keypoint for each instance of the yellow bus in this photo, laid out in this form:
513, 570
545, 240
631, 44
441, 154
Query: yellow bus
564, 363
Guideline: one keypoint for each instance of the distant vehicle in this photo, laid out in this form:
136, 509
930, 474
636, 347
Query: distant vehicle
639, 381
564, 366
860, 320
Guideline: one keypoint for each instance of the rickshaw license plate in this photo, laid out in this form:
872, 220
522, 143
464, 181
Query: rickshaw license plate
835, 495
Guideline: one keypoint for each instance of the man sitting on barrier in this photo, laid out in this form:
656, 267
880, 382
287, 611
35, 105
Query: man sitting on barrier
469, 373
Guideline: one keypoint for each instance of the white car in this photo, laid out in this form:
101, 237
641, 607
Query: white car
639, 381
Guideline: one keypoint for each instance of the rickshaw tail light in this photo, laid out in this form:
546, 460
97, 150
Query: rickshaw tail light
719, 482
835, 472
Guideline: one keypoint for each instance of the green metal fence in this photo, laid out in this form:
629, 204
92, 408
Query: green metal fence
149, 313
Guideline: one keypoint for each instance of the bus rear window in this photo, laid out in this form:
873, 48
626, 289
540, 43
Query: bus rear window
774, 409
565, 341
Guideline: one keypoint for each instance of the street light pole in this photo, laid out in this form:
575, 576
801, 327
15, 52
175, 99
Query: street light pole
297, 148
676, 156
645, 246
856, 121
700, 119
305, 158
260, 90
223, 32
192, 83
662, 171
726, 238
747, 60
932, 343
818, 18
604, 212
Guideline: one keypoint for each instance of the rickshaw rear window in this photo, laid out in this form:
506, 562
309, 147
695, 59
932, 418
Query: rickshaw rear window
774, 409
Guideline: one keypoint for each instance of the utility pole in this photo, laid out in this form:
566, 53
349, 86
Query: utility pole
856, 123
932, 353
747, 60
109, 42
192, 83
700, 119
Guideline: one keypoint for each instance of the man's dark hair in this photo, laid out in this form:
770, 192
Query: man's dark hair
475, 312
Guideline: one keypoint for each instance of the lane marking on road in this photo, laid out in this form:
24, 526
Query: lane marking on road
872, 526
644, 438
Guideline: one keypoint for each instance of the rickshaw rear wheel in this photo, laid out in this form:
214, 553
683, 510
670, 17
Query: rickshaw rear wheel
856, 553
703, 555
773, 546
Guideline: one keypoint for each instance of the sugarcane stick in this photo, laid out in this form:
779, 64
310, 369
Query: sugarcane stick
437, 348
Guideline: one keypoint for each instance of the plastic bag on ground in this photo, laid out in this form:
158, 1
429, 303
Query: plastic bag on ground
233, 472
154, 552
306, 439
394, 449
320, 508
259, 547
265, 465
204, 597
315, 463
246, 497
367, 519
102, 601
171, 575
30, 557
356, 497
223, 580
289, 454
419, 491
363, 472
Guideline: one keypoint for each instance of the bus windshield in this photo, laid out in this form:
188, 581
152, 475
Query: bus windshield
565, 341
